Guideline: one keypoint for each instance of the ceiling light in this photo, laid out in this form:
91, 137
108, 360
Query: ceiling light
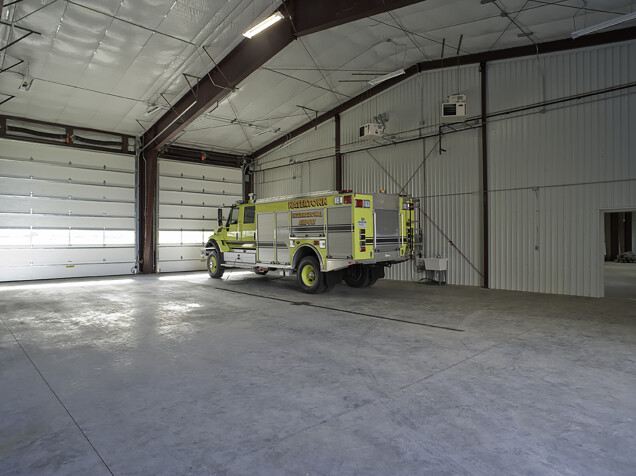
152, 109
386, 77
269, 21
603, 25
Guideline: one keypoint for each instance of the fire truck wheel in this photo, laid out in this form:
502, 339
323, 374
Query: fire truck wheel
310, 278
357, 276
214, 264
261, 271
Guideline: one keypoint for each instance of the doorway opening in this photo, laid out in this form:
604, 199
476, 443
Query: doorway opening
620, 254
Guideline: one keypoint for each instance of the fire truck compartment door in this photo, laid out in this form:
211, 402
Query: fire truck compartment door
339, 232
282, 237
387, 229
265, 237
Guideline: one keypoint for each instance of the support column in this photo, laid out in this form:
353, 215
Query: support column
338, 154
484, 171
148, 162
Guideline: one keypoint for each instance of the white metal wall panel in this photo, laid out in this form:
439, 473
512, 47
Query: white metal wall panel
454, 205
190, 196
552, 172
65, 212
413, 107
448, 184
304, 164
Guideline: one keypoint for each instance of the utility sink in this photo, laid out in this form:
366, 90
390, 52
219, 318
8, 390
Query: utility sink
436, 264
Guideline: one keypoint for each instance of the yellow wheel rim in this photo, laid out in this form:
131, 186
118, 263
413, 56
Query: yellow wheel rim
309, 275
212, 264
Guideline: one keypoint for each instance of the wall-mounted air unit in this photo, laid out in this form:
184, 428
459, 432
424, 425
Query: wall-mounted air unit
454, 109
369, 131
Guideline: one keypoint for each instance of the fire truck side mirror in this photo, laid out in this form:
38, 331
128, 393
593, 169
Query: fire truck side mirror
219, 217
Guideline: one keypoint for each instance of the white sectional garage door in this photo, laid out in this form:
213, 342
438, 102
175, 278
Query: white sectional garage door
65, 212
190, 196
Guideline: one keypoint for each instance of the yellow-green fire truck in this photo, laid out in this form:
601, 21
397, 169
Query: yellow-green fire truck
323, 238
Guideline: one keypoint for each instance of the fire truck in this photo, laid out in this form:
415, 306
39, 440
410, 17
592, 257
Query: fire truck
323, 238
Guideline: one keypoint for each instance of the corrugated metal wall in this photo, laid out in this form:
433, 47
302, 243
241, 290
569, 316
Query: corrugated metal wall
304, 164
447, 182
553, 171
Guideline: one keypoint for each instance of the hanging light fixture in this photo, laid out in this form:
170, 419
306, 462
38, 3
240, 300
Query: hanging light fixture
386, 77
269, 21
603, 25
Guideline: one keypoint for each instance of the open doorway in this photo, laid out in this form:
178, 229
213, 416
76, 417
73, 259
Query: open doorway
620, 254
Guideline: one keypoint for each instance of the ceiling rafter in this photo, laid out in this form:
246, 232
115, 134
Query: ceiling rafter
309, 17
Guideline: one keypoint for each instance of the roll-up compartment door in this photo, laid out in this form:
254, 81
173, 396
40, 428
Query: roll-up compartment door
65, 212
189, 197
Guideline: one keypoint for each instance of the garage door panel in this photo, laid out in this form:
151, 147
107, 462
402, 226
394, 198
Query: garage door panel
224, 174
178, 253
61, 206
199, 186
183, 237
29, 170
191, 198
15, 220
53, 227
16, 151
55, 272
64, 256
42, 188
175, 211
186, 224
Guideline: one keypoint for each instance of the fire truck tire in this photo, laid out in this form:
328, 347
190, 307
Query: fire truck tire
214, 264
310, 279
357, 276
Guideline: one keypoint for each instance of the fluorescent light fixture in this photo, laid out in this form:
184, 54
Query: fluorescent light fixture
386, 77
152, 108
269, 21
603, 25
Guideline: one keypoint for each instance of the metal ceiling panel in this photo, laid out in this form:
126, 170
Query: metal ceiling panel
123, 54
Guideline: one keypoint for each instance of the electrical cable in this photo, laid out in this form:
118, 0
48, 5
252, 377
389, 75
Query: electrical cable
421, 165
408, 35
291, 20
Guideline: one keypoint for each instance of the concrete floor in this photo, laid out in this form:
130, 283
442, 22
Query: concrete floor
186, 375
620, 280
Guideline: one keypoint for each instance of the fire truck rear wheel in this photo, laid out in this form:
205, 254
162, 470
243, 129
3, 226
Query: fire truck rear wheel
310, 279
261, 271
357, 276
215, 262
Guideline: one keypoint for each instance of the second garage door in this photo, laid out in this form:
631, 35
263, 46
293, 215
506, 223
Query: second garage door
190, 196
